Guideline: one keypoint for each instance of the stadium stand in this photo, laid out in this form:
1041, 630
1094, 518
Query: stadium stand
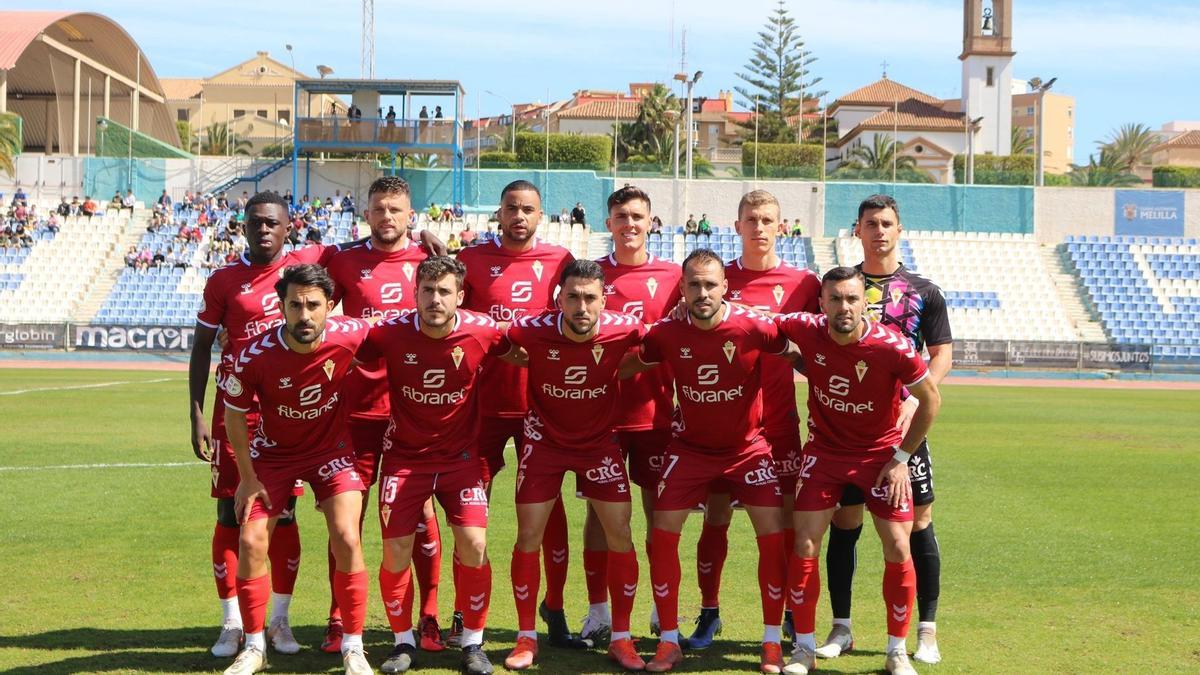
996, 285
1146, 290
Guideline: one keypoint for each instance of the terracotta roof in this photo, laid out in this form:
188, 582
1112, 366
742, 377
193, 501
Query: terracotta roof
884, 92
1188, 139
911, 116
181, 88
603, 110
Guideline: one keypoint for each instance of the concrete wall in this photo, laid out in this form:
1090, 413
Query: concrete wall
1062, 211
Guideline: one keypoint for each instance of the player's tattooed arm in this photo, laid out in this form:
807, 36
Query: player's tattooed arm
198, 374
249, 487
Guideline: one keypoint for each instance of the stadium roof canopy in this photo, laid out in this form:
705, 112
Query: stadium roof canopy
383, 87
60, 71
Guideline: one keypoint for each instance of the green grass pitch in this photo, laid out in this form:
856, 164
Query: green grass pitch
1067, 520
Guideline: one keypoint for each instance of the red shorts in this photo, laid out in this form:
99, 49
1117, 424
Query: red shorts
644, 452
367, 436
494, 433
224, 463
688, 475
599, 474
785, 448
824, 476
330, 475
403, 491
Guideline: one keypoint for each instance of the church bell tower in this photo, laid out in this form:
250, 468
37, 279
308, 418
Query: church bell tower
987, 72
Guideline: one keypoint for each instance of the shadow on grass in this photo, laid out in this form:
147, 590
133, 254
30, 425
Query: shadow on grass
174, 650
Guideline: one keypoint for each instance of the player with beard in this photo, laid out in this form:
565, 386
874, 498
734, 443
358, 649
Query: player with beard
574, 354
901, 299
715, 355
241, 299
295, 372
377, 278
856, 369
513, 276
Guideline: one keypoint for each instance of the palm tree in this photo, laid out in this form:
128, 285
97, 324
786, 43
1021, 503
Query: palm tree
218, 141
504, 139
655, 118
10, 142
1130, 145
879, 156
1022, 144
421, 161
1103, 172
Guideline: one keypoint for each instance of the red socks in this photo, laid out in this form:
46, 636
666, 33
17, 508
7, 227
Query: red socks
526, 578
334, 612
710, 560
427, 561
350, 589
284, 554
396, 590
772, 576
664, 576
899, 591
555, 555
476, 593
252, 602
622, 579
595, 569
804, 587
225, 560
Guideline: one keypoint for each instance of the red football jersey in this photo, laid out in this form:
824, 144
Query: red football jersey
507, 285
648, 291
718, 376
853, 390
436, 418
370, 282
300, 395
782, 290
573, 385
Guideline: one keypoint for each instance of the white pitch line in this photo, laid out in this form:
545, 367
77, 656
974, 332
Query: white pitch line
130, 465
88, 386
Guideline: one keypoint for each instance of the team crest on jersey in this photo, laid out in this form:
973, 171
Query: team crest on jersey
410, 359
735, 295
408, 271
285, 382
685, 352
896, 295
233, 386
820, 358
597, 353
385, 513
328, 367
537, 269
729, 348
457, 355
247, 289
778, 293
553, 356
365, 273
860, 369
652, 286
496, 270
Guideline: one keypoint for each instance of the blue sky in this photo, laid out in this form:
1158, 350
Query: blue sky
1123, 61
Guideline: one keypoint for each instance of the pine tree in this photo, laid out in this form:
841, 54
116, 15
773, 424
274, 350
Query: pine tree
777, 76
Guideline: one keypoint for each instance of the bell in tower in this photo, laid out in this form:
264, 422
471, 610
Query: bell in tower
987, 72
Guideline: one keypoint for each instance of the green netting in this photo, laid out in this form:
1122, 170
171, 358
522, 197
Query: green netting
104, 176
113, 141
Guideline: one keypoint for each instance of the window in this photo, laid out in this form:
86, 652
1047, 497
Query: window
182, 115
262, 114
285, 116
239, 113
919, 149
1029, 111
991, 76
1029, 132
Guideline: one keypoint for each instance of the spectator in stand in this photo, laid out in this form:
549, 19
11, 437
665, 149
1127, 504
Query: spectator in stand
202, 219
453, 245
24, 238
160, 258
20, 213
131, 256
797, 231
784, 230
391, 116
117, 203
76, 207
458, 211
435, 212
690, 227
52, 223
447, 213
437, 112
705, 226
578, 214
656, 226
467, 236
19, 197
64, 208
287, 196
143, 260
129, 201
163, 205
563, 217
348, 204
424, 114
89, 207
